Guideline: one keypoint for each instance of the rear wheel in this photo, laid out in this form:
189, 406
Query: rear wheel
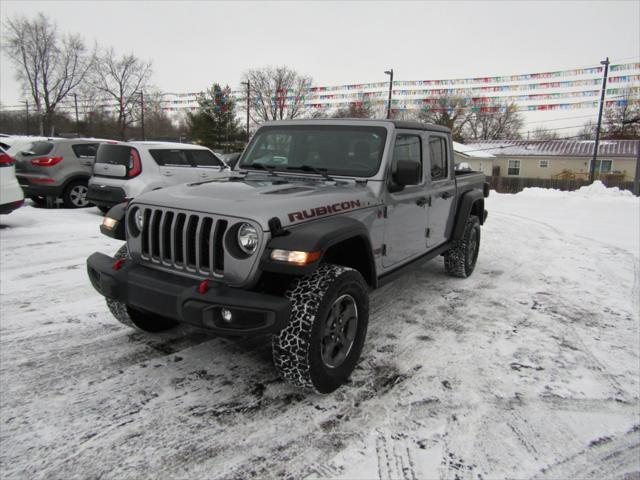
75, 195
460, 260
321, 345
134, 318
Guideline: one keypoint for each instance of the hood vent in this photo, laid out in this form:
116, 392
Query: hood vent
286, 191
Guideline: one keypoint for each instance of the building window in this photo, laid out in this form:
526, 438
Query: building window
603, 166
514, 167
543, 163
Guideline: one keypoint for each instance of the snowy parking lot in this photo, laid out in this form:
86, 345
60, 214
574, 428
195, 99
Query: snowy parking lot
528, 369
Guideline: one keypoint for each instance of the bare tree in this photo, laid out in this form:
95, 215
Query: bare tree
277, 93
622, 120
501, 124
48, 65
122, 80
542, 133
451, 112
355, 110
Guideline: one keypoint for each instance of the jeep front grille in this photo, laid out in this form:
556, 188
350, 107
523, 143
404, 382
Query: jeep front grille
184, 241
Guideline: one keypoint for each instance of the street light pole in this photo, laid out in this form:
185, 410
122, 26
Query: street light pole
390, 73
248, 84
592, 170
142, 114
75, 101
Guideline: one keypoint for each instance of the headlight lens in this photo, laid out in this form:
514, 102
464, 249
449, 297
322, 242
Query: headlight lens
138, 217
135, 222
247, 238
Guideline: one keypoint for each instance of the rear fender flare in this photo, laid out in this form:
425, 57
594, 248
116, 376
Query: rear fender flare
470, 201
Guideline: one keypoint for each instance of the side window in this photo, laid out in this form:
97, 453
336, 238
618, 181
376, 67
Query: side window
170, 158
438, 154
407, 147
85, 150
204, 158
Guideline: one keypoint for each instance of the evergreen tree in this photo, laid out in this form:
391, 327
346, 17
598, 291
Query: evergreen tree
215, 124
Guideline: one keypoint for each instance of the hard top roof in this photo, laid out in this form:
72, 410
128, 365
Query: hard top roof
369, 121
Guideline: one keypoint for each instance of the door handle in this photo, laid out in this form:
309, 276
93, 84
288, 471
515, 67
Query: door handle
167, 174
446, 195
421, 202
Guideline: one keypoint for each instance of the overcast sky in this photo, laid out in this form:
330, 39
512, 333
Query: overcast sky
193, 44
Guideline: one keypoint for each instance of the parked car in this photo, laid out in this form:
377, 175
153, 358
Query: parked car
11, 196
124, 170
316, 214
231, 158
56, 168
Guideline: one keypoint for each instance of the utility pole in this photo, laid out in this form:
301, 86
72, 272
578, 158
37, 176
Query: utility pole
75, 101
142, 114
248, 84
592, 170
26, 109
390, 73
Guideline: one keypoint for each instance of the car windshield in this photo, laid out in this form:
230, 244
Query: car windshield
333, 149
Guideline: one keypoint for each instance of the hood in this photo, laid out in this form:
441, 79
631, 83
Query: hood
260, 197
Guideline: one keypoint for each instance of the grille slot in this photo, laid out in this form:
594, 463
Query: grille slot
187, 242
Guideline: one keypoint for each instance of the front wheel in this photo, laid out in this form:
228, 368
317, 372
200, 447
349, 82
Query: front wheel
460, 260
321, 345
134, 318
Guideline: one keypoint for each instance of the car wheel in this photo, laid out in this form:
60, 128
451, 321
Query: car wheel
135, 318
75, 195
460, 260
321, 345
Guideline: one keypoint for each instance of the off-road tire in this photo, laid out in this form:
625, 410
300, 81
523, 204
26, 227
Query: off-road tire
69, 195
133, 318
297, 348
460, 260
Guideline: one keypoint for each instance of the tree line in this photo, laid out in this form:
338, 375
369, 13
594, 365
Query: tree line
59, 70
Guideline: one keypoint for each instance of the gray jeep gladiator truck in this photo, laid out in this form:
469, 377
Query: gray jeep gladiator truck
315, 215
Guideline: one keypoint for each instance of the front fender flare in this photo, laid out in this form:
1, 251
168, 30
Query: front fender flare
467, 202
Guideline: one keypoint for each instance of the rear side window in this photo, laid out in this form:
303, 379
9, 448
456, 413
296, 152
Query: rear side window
171, 158
85, 150
204, 158
114, 154
438, 154
40, 148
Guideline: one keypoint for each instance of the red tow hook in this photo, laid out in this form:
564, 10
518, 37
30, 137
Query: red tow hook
202, 288
118, 263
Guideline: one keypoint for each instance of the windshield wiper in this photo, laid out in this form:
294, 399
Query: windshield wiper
309, 168
261, 166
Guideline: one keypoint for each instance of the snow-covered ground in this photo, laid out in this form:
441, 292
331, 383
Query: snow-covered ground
528, 369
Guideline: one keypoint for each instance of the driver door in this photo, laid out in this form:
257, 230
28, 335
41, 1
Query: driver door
406, 221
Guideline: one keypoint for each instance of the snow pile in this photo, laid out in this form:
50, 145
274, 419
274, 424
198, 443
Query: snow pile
596, 190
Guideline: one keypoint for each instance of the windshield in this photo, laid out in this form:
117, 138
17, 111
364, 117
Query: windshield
338, 150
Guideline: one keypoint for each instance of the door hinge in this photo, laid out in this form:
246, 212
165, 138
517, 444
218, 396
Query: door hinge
429, 201
386, 212
384, 250
428, 232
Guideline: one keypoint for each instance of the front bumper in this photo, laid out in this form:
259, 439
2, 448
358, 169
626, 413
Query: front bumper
178, 298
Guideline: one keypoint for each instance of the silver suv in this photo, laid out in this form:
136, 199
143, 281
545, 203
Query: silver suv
124, 170
56, 168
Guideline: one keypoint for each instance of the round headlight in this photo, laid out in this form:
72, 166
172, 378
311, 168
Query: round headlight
247, 238
139, 218
136, 221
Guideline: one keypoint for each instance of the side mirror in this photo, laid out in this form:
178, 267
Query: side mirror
407, 173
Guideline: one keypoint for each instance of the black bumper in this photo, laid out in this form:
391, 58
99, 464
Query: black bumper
105, 196
178, 298
10, 207
31, 190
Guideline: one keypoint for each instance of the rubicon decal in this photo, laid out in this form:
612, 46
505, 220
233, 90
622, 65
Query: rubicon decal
326, 210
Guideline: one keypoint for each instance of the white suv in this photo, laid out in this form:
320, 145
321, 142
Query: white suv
124, 170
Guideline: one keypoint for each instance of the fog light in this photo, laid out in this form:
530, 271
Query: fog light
294, 256
227, 316
109, 222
